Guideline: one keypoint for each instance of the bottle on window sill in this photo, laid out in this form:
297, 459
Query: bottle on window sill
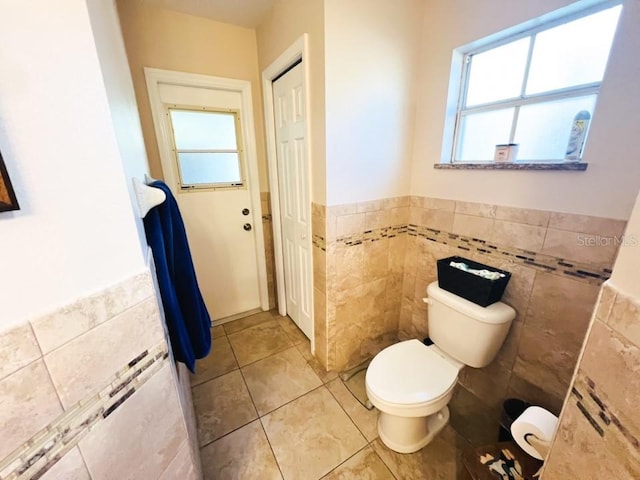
578, 135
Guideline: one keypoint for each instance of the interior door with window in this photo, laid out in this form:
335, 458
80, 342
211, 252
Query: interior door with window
291, 153
206, 170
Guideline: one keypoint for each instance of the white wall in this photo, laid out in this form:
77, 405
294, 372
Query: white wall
608, 188
75, 233
626, 270
286, 22
121, 97
370, 52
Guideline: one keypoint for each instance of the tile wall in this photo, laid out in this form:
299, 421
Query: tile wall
599, 431
91, 382
374, 260
267, 230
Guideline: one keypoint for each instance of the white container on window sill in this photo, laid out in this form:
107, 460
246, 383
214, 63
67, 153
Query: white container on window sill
507, 152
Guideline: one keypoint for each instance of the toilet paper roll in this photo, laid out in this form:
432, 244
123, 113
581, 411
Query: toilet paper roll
533, 421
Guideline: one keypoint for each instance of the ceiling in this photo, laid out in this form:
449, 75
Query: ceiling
246, 13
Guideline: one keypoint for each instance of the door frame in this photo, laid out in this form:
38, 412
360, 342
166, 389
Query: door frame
299, 50
154, 78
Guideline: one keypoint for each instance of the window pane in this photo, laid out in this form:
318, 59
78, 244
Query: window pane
207, 168
498, 73
481, 132
204, 130
543, 129
574, 53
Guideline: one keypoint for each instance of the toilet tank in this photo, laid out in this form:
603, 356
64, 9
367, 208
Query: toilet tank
465, 331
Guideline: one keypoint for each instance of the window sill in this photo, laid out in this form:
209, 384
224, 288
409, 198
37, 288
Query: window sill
574, 166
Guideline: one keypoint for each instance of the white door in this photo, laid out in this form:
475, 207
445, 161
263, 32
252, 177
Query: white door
295, 205
219, 217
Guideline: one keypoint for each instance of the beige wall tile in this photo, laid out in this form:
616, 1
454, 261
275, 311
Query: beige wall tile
580, 452
376, 259
439, 204
472, 226
57, 328
318, 221
69, 467
350, 224
437, 219
611, 362
370, 206
377, 219
349, 263
476, 209
345, 209
415, 201
521, 388
606, 227
580, 247
18, 347
625, 317
181, 467
144, 433
605, 302
538, 218
331, 228
243, 454
396, 202
518, 235
320, 326
83, 366
415, 215
399, 216
28, 403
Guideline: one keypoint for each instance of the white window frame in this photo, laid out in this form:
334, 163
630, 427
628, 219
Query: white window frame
461, 67
240, 151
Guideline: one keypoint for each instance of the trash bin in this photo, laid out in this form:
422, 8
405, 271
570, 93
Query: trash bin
512, 408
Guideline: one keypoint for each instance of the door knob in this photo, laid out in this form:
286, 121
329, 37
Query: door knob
247, 226
245, 211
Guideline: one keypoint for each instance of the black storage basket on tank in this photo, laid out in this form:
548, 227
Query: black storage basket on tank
474, 288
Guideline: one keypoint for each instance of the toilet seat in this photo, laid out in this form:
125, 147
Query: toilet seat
409, 375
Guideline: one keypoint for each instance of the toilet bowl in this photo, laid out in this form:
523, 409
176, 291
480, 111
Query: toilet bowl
411, 383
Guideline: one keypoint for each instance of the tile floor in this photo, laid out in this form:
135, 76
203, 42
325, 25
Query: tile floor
266, 409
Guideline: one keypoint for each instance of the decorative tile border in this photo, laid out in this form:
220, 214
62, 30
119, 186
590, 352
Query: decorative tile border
266, 217
538, 261
49, 445
598, 413
319, 242
546, 263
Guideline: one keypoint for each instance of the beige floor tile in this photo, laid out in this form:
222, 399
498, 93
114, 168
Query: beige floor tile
311, 435
365, 420
243, 454
258, 342
292, 330
305, 350
436, 461
247, 322
364, 465
222, 405
219, 361
217, 331
279, 379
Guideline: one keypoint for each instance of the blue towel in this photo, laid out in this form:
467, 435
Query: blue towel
187, 318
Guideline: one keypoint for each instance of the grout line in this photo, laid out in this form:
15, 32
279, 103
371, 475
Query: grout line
345, 410
275, 457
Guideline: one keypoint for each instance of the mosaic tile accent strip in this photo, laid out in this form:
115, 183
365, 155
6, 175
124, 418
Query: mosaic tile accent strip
593, 406
266, 217
538, 261
546, 263
319, 242
45, 448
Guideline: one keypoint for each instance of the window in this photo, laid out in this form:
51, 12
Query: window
207, 147
527, 89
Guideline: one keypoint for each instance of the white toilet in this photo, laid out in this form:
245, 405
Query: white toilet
411, 384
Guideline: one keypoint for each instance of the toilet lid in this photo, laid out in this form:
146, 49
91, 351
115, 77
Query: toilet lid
409, 372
